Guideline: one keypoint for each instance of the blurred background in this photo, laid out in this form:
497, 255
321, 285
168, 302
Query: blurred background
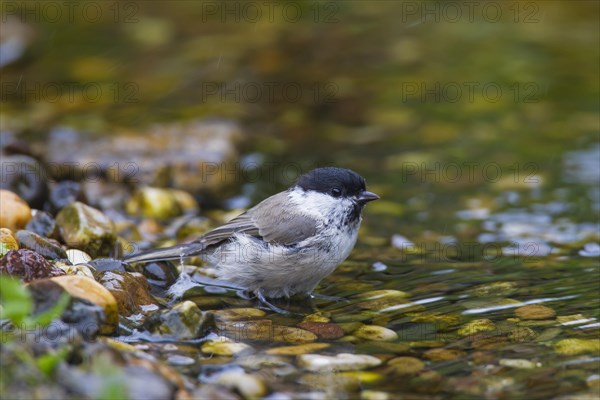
436, 104
477, 122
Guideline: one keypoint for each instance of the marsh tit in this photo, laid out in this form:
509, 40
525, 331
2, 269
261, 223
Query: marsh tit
289, 242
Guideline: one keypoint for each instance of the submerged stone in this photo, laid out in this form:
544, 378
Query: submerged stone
238, 314
183, 321
324, 330
223, 346
518, 363
339, 362
475, 326
406, 365
569, 347
443, 354
298, 349
248, 385
376, 333
87, 229
535, 311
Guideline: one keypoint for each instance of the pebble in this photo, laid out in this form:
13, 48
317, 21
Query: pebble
152, 202
14, 212
339, 362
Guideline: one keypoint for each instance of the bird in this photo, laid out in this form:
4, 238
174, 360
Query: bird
286, 244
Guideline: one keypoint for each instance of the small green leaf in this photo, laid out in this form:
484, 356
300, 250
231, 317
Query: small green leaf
15, 300
47, 363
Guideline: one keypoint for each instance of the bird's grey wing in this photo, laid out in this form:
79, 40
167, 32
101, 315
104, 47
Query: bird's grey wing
270, 221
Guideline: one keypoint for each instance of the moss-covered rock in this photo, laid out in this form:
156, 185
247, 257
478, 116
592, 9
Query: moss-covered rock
86, 228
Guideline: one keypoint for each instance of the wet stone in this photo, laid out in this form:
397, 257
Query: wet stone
339, 362
534, 311
90, 290
323, 330
183, 321
160, 275
129, 289
7, 241
27, 265
86, 228
14, 211
40, 245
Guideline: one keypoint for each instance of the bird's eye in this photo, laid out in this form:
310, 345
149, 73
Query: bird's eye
335, 192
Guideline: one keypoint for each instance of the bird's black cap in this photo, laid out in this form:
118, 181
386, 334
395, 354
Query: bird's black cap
333, 181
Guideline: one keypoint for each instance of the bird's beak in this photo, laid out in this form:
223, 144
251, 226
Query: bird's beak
366, 197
